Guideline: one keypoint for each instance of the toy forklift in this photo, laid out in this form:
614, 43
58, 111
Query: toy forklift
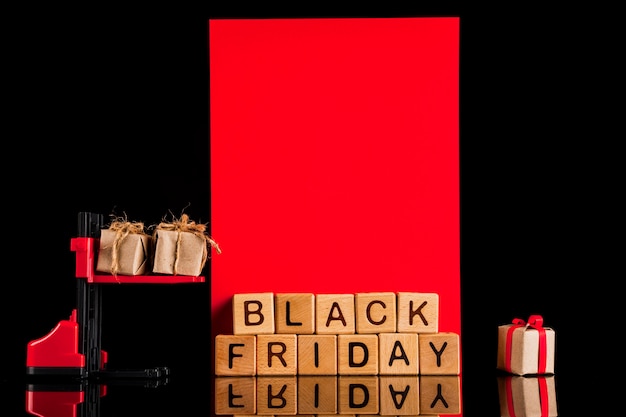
73, 348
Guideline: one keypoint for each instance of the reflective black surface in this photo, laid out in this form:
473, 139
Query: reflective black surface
110, 112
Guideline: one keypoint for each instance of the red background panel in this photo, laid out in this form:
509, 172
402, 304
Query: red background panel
335, 158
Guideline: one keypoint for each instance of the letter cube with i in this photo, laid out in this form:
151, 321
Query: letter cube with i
253, 313
418, 312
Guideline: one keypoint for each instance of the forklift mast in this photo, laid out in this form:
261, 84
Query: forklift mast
73, 347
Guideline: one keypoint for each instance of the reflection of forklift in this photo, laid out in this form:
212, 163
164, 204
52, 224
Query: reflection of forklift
73, 348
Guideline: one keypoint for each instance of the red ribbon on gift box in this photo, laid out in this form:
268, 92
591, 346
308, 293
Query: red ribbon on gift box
536, 322
543, 396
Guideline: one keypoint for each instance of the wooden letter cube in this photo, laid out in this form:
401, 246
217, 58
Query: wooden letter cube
399, 395
317, 354
277, 354
375, 312
440, 394
235, 355
295, 313
358, 395
277, 395
398, 354
357, 354
334, 314
418, 312
317, 395
235, 395
439, 354
253, 313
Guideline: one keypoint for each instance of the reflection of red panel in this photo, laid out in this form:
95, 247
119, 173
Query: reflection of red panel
335, 158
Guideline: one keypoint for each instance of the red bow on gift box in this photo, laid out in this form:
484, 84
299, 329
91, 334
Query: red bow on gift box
536, 322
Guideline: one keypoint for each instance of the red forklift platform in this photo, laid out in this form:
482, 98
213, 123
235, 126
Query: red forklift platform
73, 348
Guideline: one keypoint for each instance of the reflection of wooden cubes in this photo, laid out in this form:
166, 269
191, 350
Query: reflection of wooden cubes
375, 312
235, 395
317, 395
399, 395
398, 354
525, 350
526, 396
358, 394
418, 312
317, 354
276, 354
277, 395
440, 394
235, 355
334, 314
295, 313
357, 354
439, 354
253, 313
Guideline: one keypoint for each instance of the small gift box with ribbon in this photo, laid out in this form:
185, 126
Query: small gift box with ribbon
181, 247
524, 396
526, 348
124, 249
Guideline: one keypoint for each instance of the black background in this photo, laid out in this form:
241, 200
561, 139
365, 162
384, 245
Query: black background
108, 112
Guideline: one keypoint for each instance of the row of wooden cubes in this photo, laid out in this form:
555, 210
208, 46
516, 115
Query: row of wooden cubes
343, 354
338, 395
308, 313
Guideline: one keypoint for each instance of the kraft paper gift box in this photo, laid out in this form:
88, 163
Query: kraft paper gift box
124, 249
180, 247
526, 348
524, 396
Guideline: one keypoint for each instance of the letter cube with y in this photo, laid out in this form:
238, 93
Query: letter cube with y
253, 313
439, 354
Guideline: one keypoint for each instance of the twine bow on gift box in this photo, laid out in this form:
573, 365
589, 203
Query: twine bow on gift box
536, 322
185, 225
122, 229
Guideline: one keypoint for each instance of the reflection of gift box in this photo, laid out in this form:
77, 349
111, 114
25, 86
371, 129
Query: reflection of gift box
522, 396
124, 249
526, 348
180, 248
